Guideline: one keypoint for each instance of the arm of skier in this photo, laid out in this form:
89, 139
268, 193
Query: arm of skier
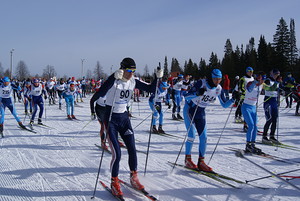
224, 103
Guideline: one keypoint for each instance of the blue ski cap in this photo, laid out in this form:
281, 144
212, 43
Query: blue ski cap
216, 73
180, 76
249, 69
35, 81
6, 79
163, 86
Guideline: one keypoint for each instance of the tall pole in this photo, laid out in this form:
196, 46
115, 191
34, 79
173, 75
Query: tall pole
82, 60
11, 62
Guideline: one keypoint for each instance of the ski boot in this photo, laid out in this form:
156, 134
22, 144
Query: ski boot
265, 140
21, 125
160, 130
251, 148
297, 114
134, 180
202, 165
116, 187
26, 112
69, 117
174, 117
73, 116
274, 140
245, 128
40, 121
1, 130
154, 130
189, 163
59, 106
31, 123
179, 117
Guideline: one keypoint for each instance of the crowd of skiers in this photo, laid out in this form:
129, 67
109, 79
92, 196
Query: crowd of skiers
110, 104
113, 99
34, 92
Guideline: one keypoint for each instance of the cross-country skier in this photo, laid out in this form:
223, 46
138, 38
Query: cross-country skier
242, 89
99, 111
249, 112
289, 83
118, 89
69, 96
26, 91
156, 107
60, 87
177, 97
36, 92
6, 90
201, 95
271, 87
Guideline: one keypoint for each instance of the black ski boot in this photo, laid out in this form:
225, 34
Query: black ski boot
274, 140
21, 125
174, 117
179, 117
160, 130
251, 148
265, 140
154, 130
40, 121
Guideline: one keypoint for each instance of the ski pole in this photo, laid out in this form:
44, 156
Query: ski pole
247, 181
185, 137
102, 154
146, 119
155, 98
220, 136
240, 154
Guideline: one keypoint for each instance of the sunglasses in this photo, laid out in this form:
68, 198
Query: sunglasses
130, 70
250, 71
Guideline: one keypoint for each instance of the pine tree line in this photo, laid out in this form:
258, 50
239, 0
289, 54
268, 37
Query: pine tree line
282, 54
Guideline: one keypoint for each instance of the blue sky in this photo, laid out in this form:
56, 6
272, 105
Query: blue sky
62, 32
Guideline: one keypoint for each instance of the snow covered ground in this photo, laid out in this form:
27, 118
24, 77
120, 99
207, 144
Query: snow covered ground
61, 163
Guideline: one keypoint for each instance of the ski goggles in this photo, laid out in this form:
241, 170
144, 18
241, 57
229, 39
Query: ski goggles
130, 70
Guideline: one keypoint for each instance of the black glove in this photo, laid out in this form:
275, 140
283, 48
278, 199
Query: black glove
45, 97
201, 91
236, 95
157, 107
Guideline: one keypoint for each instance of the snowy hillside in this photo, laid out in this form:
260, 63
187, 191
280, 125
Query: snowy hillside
61, 163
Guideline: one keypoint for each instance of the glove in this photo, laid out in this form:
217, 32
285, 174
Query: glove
119, 74
236, 95
29, 99
93, 116
201, 91
157, 107
45, 97
159, 73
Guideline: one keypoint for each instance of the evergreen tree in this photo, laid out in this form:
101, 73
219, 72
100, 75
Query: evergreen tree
262, 55
203, 68
214, 61
166, 70
175, 67
281, 41
293, 53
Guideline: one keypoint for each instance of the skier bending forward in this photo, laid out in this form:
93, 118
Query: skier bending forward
199, 96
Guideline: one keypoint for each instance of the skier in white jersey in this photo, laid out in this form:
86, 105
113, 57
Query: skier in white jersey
197, 99
118, 89
253, 89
